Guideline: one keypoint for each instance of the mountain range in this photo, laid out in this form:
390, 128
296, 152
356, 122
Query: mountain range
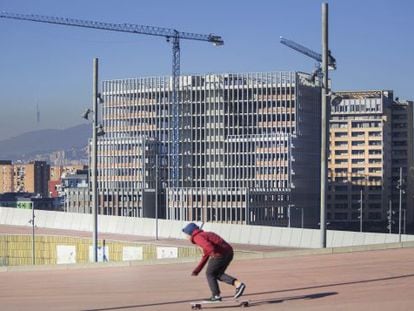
30, 145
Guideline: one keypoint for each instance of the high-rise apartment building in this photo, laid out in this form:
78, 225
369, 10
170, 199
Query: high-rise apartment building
370, 139
402, 157
249, 148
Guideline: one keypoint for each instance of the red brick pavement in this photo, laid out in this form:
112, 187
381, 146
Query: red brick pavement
374, 280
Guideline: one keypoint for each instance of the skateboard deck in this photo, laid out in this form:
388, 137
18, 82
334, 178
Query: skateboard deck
197, 305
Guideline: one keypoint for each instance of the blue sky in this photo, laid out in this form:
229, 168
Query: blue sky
51, 65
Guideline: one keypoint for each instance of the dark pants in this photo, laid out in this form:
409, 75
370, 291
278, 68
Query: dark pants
215, 271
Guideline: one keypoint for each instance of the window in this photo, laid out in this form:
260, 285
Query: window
358, 143
357, 134
341, 152
374, 216
341, 216
341, 161
341, 134
341, 197
341, 188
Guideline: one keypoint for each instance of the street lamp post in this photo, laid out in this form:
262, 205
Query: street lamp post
156, 195
94, 160
400, 182
289, 206
390, 217
325, 59
360, 212
97, 130
33, 235
325, 123
301, 218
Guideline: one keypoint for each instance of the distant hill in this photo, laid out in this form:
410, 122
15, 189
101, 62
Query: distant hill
30, 144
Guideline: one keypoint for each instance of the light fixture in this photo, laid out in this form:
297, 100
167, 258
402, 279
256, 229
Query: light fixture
335, 99
100, 99
99, 130
85, 115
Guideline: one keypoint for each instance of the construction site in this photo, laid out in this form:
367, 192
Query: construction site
309, 188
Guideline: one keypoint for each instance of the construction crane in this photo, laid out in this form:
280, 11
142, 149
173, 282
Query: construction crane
304, 50
172, 35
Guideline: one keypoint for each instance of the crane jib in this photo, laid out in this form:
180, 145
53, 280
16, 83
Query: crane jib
125, 27
168, 33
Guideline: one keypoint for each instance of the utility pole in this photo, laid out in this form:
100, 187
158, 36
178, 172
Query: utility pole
400, 186
289, 214
302, 218
156, 195
390, 217
33, 236
94, 160
405, 220
325, 122
360, 212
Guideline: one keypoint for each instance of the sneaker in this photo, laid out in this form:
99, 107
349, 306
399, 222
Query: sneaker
240, 290
214, 298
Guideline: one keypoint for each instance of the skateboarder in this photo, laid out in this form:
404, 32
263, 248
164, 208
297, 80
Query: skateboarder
220, 254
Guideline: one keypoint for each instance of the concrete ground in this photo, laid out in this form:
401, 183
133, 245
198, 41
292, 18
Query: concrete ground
372, 280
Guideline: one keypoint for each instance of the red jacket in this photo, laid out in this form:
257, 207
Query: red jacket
212, 244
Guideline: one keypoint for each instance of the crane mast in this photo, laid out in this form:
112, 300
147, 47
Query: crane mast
172, 35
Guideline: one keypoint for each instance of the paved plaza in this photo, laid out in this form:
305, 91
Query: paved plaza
372, 280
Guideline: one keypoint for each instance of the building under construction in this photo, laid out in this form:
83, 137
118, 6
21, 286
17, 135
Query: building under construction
248, 148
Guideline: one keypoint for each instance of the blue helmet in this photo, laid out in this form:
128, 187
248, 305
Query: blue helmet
190, 228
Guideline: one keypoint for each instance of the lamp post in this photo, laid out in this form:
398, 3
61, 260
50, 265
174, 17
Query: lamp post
325, 59
32, 221
324, 125
156, 195
390, 217
400, 187
360, 211
289, 206
404, 220
97, 130
94, 161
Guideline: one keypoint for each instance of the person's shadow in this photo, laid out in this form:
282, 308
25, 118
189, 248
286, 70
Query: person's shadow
268, 301
257, 302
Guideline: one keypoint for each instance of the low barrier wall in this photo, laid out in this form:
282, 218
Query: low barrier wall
243, 234
16, 250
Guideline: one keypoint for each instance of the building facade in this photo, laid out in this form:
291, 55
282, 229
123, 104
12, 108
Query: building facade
402, 157
32, 177
59, 171
75, 191
370, 139
6, 176
248, 149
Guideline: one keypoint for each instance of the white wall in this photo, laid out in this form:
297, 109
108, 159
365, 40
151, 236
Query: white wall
257, 235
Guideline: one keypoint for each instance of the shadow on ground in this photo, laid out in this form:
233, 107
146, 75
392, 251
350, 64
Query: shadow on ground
266, 301
257, 302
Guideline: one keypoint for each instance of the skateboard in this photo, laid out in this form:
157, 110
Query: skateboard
197, 305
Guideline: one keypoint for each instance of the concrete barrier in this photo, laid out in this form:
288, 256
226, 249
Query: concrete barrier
242, 234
